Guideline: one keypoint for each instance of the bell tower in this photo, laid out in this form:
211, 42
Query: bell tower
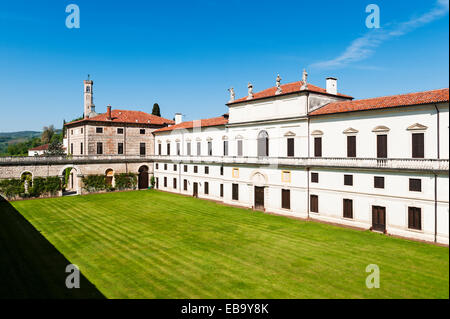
89, 107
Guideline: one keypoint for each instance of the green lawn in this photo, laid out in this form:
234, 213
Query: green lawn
150, 244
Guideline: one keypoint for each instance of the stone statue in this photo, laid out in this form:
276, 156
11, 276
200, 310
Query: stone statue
304, 80
279, 90
232, 94
250, 91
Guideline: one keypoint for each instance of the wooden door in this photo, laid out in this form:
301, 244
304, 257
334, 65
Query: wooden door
143, 177
379, 218
195, 190
259, 197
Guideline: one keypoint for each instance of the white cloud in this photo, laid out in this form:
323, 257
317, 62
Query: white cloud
364, 46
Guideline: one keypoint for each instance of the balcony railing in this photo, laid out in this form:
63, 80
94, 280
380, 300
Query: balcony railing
436, 165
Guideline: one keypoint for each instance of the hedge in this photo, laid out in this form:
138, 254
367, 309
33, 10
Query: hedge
95, 183
125, 181
13, 188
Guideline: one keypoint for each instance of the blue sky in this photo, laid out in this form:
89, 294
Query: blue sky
185, 55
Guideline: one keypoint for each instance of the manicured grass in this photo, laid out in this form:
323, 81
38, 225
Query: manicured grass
150, 244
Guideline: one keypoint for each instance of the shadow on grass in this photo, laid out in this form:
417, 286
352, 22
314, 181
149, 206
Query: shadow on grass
30, 266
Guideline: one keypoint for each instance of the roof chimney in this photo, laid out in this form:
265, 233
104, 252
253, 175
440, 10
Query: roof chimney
332, 85
108, 113
178, 118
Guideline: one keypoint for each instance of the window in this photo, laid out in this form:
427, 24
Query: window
206, 188
175, 183
199, 148
235, 195
314, 177
99, 148
175, 167
71, 132
165, 181
318, 147
81, 148
185, 168
165, 167
195, 169
285, 176
263, 144
418, 145
209, 148
157, 182
414, 218
348, 208
348, 180
159, 149
382, 146
120, 148
351, 146
221, 190
168, 148
314, 203
188, 149
239, 148
225, 148
221, 170
71, 148
81, 130
286, 199
235, 173
290, 146
120, 131
415, 185
178, 149
99, 129
379, 182
206, 170
185, 185
156, 165
142, 148
142, 131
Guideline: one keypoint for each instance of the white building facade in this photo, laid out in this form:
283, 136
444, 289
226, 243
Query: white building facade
303, 151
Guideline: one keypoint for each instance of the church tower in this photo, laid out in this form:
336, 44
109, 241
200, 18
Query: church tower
89, 107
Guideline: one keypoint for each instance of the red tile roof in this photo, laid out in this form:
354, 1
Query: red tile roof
215, 121
125, 116
39, 148
286, 89
409, 99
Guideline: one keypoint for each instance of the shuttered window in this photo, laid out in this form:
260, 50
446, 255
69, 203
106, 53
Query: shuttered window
165, 167
175, 183
286, 199
178, 149
290, 146
239, 148
175, 167
221, 170
351, 146
378, 182
185, 184
415, 184
209, 148
71, 148
185, 168
418, 145
318, 147
348, 180
225, 148
99, 148
382, 146
165, 181
199, 148
142, 148
206, 188
263, 144
195, 169
168, 148
414, 218
314, 177
120, 148
221, 190
314, 203
206, 170
235, 195
159, 149
81, 148
188, 149
348, 208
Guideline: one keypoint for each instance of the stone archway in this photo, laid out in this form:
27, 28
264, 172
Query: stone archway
258, 190
109, 177
143, 177
72, 176
27, 179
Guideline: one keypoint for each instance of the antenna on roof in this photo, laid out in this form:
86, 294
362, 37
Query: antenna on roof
89, 77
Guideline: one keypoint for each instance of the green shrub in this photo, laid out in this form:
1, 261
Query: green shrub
95, 183
49, 185
125, 181
11, 188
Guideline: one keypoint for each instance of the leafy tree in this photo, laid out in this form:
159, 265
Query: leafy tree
156, 111
47, 134
55, 148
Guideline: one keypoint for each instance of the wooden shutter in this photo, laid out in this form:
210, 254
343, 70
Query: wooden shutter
185, 185
221, 190
317, 146
206, 188
348, 208
379, 182
290, 147
382, 146
415, 185
286, 198
348, 180
351, 146
235, 191
175, 183
239, 142
225, 148
314, 203
414, 218
418, 145
314, 177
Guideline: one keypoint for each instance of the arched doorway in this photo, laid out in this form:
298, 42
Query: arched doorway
27, 180
109, 177
263, 144
143, 177
71, 176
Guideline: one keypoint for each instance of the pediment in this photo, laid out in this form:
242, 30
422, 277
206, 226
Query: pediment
381, 128
417, 126
317, 132
225, 138
350, 130
239, 137
289, 133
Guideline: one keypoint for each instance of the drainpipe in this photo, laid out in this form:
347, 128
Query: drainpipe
438, 132
435, 207
307, 167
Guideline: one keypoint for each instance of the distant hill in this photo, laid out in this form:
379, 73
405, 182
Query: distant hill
9, 138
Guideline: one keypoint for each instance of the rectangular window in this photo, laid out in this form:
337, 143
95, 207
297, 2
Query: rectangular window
168, 148
99, 148
165, 167
71, 148
348, 180
209, 148
156, 165
286, 199
290, 146
221, 170
199, 148
142, 148
235, 195
418, 145
221, 190
175, 183
225, 148
314, 177
120, 148
185, 168
318, 147
415, 185
414, 218
314, 203
157, 182
159, 149
239, 148
165, 181
206, 188
188, 149
185, 185
81, 149
120, 131
142, 131
99, 130
206, 170
81, 130
351, 146
175, 167
378, 182
71, 132
235, 173
195, 169
348, 208
178, 149
382, 146
286, 176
